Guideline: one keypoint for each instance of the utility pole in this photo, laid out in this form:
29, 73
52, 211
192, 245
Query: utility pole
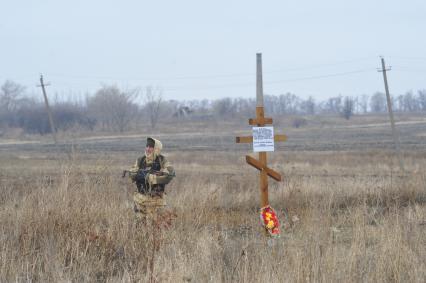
49, 113
389, 102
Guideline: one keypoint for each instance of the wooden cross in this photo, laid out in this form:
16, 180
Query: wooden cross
261, 121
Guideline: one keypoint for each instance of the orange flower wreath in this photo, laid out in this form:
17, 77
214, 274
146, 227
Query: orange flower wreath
269, 220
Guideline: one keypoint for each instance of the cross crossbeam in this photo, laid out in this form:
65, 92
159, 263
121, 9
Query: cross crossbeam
262, 167
249, 139
260, 121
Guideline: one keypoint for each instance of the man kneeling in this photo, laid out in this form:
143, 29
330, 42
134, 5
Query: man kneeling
151, 173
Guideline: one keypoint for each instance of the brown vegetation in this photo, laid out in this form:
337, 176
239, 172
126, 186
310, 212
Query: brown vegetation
66, 214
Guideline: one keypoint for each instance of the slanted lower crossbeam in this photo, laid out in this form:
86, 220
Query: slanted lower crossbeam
258, 165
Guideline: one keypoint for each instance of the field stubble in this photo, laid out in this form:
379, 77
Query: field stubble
71, 219
349, 216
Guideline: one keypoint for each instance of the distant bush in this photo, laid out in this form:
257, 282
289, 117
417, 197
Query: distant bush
34, 120
299, 122
68, 115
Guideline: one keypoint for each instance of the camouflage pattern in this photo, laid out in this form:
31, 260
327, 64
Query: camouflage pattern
149, 205
166, 167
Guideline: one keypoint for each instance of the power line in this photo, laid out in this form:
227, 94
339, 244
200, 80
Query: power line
276, 82
316, 66
323, 76
230, 75
408, 57
244, 84
408, 69
92, 83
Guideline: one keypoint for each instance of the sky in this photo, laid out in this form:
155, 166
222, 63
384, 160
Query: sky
207, 49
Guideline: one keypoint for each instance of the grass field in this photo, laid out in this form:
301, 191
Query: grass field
349, 213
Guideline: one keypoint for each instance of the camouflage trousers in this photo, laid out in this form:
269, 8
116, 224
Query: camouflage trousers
148, 207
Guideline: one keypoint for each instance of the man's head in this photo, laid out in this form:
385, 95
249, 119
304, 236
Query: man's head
150, 144
153, 148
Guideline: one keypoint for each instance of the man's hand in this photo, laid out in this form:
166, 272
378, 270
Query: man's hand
130, 172
152, 179
141, 176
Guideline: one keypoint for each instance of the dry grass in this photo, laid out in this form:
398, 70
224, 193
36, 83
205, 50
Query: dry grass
67, 216
70, 219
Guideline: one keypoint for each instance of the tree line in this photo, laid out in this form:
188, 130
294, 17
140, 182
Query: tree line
113, 109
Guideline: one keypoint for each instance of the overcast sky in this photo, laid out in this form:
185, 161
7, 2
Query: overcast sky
207, 49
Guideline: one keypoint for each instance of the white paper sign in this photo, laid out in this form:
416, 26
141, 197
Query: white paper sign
263, 139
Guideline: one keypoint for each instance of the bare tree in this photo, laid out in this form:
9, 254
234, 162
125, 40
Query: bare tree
244, 106
348, 107
113, 108
224, 107
270, 103
422, 99
409, 102
378, 102
153, 99
10, 93
204, 106
363, 103
334, 104
308, 106
288, 103
10, 97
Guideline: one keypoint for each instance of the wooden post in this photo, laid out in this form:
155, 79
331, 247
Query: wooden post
264, 193
49, 113
260, 115
261, 121
259, 82
392, 120
263, 142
